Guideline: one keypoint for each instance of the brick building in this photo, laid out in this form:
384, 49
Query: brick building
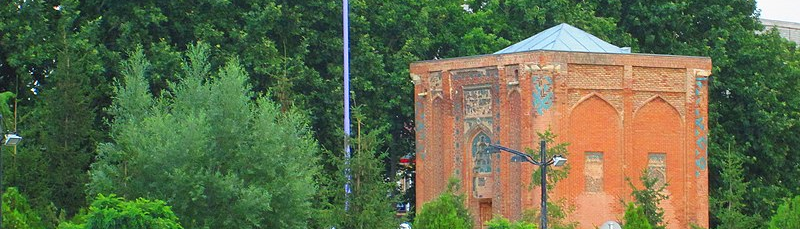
622, 112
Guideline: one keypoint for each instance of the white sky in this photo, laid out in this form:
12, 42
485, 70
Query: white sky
782, 10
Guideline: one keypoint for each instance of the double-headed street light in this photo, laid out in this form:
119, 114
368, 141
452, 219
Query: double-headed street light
557, 161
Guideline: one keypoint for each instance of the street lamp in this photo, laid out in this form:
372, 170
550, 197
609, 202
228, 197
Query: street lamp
557, 161
9, 139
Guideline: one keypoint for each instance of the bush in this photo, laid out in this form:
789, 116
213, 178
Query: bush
17, 213
114, 212
446, 212
635, 218
788, 215
499, 222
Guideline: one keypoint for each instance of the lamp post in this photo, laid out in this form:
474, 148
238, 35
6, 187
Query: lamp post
8, 139
557, 161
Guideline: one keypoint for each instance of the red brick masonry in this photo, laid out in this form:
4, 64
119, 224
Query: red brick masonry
621, 113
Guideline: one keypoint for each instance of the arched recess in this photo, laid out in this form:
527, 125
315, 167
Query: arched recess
595, 154
594, 95
478, 139
478, 164
437, 152
482, 161
657, 146
657, 97
513, 189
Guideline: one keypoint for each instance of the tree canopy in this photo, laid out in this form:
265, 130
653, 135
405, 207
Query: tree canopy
207, 146
107, 212
64, 60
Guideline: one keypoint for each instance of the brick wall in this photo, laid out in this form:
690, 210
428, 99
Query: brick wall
621, 113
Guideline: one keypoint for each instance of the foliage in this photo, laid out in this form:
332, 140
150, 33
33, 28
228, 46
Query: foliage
649, 199
5, 98
635, 218
371, 203
57, 113
557, 210
728, 205
17, 213
206, 147
695, 226
788, 215
446, 211
499, 222
68, 134
114, 212
554, 175
291, 52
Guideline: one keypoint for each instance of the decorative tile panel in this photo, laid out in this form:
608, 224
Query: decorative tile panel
593, 171
478, 103
657, 168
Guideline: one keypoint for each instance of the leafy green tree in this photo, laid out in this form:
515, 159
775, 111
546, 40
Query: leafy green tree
110, 211
53, 74
635, 218
554, 175
649, 198
292, 49
17, 213
26, 45
499, 222
788, 215
372, 199
755, 115
557, 212
446, 211
208, 147
557, 209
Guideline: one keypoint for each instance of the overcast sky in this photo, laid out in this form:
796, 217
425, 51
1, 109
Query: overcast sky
783, 10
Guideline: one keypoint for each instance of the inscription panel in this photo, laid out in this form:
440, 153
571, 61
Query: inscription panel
593, 171
657, 168
490, 72
478, 102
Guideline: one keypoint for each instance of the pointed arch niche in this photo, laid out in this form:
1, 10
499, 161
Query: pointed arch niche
657, 147
481, 160
595, 131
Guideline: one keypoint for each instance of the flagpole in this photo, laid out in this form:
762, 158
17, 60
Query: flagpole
346, 91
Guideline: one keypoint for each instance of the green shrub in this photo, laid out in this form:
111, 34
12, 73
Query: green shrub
17, 213
110, 211
499, 222
635, 218
445, 212
788, 215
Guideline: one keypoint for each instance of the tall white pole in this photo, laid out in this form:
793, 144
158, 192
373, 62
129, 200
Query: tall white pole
346, 39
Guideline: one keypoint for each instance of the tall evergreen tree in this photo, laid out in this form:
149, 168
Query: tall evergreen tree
371, 203
649, 198
727, 207
68, 136
60, 128
219, 157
